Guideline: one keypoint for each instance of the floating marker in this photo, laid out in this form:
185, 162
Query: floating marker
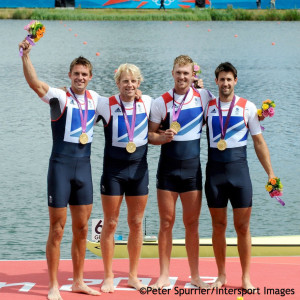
188, 25
235, 35
98, 53
116, 70
208, 30
75, 34
273, 44
171, 22
65, 25
84, 43
70, 29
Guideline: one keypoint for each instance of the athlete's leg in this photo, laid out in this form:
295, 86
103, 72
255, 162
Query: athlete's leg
166, 205
219, 224
191, 206
111, 208
57, 218
80, 216
241, 217
135, 206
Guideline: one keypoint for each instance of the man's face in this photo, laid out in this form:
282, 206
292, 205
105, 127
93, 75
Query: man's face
226, 83
182, 75
80, 77
128, 86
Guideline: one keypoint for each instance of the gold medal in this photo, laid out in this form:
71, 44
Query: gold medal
221, 145
83, 139
175, 126
131, 147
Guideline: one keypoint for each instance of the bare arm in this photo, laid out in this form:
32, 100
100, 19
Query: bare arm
263, 154
41, 88
156, 138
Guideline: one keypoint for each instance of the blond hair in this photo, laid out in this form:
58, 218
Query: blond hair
129, 69
183, 60
81, 61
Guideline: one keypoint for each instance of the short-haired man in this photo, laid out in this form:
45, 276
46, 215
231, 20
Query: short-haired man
180, 113
229, 119
69, 173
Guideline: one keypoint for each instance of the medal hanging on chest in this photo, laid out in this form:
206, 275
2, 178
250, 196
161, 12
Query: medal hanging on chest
83, 138
222, 145
130, 147
176, 125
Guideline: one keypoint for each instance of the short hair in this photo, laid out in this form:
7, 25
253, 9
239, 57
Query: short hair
129, 69
183, 60
81, 61
226, 67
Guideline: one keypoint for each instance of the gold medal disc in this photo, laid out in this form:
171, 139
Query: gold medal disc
131, 147
83, 139
175, 126
221, 145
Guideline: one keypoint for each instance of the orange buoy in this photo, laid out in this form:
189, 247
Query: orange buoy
187, 25
273, 43
65, 25
97, 53
84, 43
235, 35
116, 70
208, 30
75, 34
70, 29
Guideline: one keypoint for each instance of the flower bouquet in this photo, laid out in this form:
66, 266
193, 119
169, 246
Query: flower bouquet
275, 187
196, 72
267, 110
35, 31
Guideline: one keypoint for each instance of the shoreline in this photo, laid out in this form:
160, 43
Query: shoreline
184, 14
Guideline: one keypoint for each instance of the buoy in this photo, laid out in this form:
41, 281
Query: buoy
273, 43
235, 35
208, 30
84, 43
187, 25
98, 53
75, 34
171, 22
65, 25
70, 29
116, 70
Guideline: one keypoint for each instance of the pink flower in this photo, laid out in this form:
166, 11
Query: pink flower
275, 193
196, 68
265, 113
271, 111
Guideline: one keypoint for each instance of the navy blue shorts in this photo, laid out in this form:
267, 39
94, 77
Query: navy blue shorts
228, 181
179, 175
69, 181
128, 178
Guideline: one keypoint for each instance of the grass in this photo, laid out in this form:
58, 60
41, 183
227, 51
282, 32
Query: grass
182, 14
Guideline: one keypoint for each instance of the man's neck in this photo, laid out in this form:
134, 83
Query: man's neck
226, 99
181, 91
78, 92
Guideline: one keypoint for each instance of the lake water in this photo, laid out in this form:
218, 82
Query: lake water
264, 71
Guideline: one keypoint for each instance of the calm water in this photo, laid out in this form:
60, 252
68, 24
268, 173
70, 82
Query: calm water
264, 71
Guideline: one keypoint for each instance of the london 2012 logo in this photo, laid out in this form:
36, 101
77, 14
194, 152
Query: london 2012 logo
166, 2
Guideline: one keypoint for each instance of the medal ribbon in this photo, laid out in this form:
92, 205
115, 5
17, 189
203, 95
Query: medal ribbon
130, 129
224, 129
83, 119
175, 115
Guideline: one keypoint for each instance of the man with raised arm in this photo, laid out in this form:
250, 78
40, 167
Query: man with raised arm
180, 113
69, 173
229, 120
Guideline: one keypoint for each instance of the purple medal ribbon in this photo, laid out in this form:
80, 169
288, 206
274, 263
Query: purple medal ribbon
30, 41
224, 129
175, 115
130, 129
83, 119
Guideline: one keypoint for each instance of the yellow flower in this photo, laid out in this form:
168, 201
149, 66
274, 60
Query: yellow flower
259, 112
265, 106
269, 188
